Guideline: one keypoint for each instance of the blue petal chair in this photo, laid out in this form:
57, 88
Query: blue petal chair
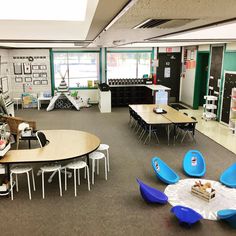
194, 164
186, 215
228, 215
164, 172
228, 177
152, 195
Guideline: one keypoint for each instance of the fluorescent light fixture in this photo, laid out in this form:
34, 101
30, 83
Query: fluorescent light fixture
51, 10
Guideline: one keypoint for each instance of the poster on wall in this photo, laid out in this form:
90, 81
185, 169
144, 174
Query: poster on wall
44, 82
27, 69
167, 72
4, 83
35, 67
28, 79
18, 79
43, 67
17, 68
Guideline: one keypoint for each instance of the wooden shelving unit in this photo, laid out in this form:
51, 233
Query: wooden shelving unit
209, 108
232, 114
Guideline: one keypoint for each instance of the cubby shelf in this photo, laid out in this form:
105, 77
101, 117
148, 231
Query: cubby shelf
123, 96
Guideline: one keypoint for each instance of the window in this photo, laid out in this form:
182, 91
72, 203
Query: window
80, 69
128, 64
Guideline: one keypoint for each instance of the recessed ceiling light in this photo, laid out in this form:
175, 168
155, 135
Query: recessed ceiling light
52, 10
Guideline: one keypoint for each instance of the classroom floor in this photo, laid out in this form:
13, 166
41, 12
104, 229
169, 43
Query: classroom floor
112, 207
215, 130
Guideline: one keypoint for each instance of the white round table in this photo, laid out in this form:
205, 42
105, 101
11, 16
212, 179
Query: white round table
180, 194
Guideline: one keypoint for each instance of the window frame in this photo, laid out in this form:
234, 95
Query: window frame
151, 51
71, 52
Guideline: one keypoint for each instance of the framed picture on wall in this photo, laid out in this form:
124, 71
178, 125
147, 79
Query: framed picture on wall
18, 79
27, 69
43, 75
44, 82
17, 68
43, 67
36, 82
36, 75
28, 79
35, 67
4, 83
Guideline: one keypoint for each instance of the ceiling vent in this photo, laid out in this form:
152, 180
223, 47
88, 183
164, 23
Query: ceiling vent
163, 23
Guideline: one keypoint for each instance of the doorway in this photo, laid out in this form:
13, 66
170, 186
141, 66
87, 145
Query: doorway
168, 73
200, 88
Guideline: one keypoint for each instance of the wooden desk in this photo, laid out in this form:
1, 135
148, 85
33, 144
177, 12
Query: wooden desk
63, 145
143, 108
171, 117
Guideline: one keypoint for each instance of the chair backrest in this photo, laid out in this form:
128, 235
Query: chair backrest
14, 122
41, 138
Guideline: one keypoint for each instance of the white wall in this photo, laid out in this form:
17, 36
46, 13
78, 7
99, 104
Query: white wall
187, 80
20, 56
230, 46
205, 47
4, 66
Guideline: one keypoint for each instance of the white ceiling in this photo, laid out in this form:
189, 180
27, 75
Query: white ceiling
205, 12
99, 13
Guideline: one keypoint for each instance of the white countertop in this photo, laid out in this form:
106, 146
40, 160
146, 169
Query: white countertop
154, 87
157, 87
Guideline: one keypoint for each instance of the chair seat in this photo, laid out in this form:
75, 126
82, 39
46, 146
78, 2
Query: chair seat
96, 155
21, 169
103, 147
76, 165
50, 168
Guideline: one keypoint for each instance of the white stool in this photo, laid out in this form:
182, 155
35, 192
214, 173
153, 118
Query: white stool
23, 169
76, 166
51, 168
105, 147
16, 101
97, 156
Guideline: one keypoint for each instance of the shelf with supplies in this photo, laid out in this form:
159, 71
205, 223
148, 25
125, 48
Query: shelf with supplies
232, 114
5, 146
209, 107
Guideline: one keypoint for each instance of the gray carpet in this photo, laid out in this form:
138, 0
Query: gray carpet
112, 207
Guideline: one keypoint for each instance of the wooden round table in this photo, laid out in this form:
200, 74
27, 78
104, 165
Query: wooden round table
63, 145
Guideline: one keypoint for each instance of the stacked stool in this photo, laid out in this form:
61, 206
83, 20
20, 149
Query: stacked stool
97, 156
105, 147
76, 166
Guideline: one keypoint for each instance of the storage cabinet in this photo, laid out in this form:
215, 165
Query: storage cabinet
104, 101
125, 95
232, 116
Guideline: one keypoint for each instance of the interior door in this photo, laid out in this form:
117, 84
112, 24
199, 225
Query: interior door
215, 71
168, 73
230, 82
